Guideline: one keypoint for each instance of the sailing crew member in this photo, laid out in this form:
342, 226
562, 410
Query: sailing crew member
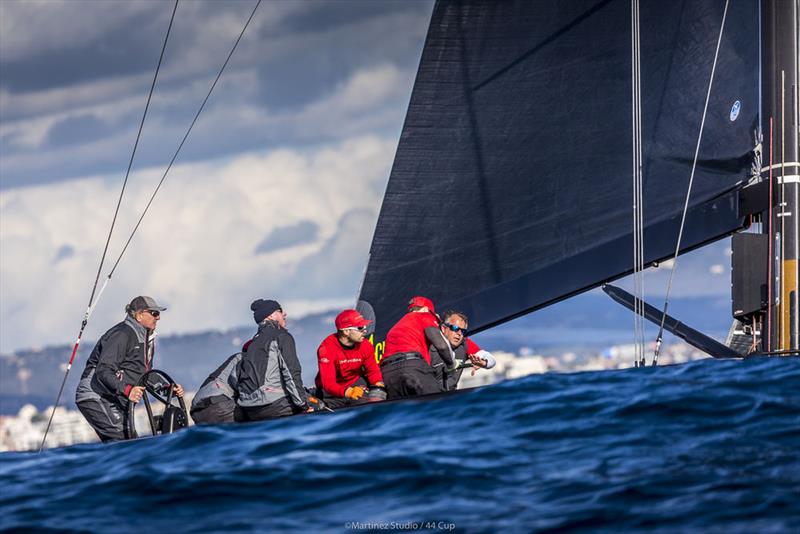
348, 371
269, 384
215, 401
454, 329
119, 359
406, 367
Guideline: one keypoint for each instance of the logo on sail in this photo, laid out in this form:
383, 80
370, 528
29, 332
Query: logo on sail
737, 106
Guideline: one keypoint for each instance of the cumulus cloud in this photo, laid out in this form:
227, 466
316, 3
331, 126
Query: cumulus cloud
122, 113
35, 28
195, 250
76, 74
301, 233
299, 135
371, 100
60, 23
338, 266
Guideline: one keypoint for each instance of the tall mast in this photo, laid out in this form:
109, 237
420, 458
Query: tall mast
781, 164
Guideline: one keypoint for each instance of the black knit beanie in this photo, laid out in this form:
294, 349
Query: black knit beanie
263, 308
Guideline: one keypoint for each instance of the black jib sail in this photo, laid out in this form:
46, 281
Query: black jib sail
511, 187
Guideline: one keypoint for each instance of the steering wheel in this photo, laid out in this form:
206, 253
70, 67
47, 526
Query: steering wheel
161, 387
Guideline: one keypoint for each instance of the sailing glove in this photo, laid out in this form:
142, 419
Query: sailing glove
354, 392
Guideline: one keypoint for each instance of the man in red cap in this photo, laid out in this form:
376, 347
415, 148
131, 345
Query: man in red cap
347, 366
406, 367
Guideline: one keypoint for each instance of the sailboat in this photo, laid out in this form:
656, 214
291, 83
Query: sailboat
512, 184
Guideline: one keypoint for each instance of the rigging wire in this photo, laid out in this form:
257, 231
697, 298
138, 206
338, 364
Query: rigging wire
641, 186
641, 190
149, 203
633, 175
92, 302
638, 197
795, 89
770, 283
180, 146
782, 215
659, 338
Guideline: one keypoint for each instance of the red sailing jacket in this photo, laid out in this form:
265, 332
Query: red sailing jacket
340, 367
408, 334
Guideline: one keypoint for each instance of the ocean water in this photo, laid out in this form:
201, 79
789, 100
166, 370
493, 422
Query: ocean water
709, 446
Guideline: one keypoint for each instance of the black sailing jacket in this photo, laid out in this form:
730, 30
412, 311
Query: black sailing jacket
120, 358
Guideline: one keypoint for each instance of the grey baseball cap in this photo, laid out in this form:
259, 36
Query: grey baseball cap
144, 303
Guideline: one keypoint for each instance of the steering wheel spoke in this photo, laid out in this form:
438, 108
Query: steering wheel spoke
161, 387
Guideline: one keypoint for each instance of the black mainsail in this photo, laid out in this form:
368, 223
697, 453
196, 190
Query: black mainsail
511, 187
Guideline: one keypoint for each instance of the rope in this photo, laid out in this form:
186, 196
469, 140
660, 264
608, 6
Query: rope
92, 302
638, 197
660, 338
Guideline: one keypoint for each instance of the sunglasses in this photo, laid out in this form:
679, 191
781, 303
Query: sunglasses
359, 328
155, 313
455, 328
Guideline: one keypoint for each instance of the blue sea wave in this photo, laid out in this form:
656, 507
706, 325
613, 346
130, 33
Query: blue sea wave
709, 446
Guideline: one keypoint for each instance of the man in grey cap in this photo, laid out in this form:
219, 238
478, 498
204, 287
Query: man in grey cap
118, 361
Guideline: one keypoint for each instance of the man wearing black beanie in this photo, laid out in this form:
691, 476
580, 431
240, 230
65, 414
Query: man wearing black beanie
269, 374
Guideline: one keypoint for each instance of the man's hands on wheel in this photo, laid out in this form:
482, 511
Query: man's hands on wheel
136, 393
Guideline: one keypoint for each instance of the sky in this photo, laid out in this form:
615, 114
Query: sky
275, 194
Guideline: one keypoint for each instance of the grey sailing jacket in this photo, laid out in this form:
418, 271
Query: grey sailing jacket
270, 370
220, 383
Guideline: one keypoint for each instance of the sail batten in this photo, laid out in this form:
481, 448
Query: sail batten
514, 160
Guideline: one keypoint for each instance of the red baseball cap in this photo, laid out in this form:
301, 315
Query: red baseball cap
350, 319
421, 301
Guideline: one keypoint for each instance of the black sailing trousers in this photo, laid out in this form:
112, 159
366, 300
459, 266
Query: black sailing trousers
108, 418
279, 408
342, 402
408, 376
218, 409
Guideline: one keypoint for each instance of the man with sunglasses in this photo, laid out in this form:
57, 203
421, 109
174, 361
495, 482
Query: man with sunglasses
269, 382
119, 359
454, 329
406, 366
347, 365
